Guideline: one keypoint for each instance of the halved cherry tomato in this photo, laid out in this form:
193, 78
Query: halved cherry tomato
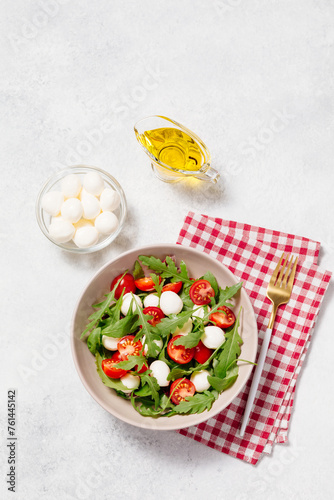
156, 312
109, 368
179, 353
181, 389
127, 282
143, 369
172, 287
145, 284
128, 347
202, 353
201, 292
223, 319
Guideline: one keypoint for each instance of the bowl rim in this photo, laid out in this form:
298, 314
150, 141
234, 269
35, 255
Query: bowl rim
80, 169
202, 417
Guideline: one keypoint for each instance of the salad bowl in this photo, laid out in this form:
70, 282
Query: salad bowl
198, 264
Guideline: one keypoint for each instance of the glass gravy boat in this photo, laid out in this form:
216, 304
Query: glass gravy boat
175, 152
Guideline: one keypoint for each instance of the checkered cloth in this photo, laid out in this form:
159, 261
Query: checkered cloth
252, 253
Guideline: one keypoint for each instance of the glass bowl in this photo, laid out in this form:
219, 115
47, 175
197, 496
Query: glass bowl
53, 183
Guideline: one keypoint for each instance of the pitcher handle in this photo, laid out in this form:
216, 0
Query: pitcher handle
211, 175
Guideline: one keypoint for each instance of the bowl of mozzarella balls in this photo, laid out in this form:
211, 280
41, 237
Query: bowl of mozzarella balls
81, 209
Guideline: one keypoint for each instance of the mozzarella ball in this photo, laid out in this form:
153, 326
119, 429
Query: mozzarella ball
185, 329
61, 230
170, 303
110, 343
200, 380
93, 183
91, 206
213, 337
127, 299
159, 343
52, 202
131, 382
106, 223
109, 200
151, 300
201, 310
86, 236
71, 186
160, 371
72, 210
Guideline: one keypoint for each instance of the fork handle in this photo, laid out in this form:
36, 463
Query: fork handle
256, 379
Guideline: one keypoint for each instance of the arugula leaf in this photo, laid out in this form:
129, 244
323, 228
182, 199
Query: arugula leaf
230, 350
109, 382
125, 326
104, 306
169, 324
157, 285
131, 362
178, 372
115, 309
154, 387
94, 340
138, 271
149, 331
212, 280
198, 403
221, 384
167, 269
96, 316
191, 339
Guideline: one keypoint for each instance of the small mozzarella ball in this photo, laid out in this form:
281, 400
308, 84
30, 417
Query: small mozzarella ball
83, 223
93, 183
213, 337
61, 230
71, 186
151, 300
160, 371
83, 193
158, 342
200, 380
201, 310
86, 236
185, 329
131, 382
170, 303
109, 200
72, 210
91, 206
106, 223
110, 343
127, 299
52, 202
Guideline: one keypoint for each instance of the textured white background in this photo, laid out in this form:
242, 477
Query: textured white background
225, 69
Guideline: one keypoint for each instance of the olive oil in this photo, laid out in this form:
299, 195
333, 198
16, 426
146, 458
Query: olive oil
174, 148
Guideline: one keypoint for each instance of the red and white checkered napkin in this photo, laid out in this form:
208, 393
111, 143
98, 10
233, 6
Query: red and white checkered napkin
252, 253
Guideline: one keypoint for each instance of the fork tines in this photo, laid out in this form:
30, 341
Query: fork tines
281, 271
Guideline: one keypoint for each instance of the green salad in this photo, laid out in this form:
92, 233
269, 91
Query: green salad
165, 341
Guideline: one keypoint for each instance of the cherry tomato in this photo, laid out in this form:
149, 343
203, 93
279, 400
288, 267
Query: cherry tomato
172, 287
181, 389
127, 282
156, 312
109, 368
179, 353
201, 292
146, 284
128, 347
202, 353
223, 319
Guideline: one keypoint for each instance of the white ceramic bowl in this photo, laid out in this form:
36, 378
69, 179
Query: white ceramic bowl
53, 184
198, 264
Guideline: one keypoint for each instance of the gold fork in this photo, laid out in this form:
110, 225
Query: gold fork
279, 292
